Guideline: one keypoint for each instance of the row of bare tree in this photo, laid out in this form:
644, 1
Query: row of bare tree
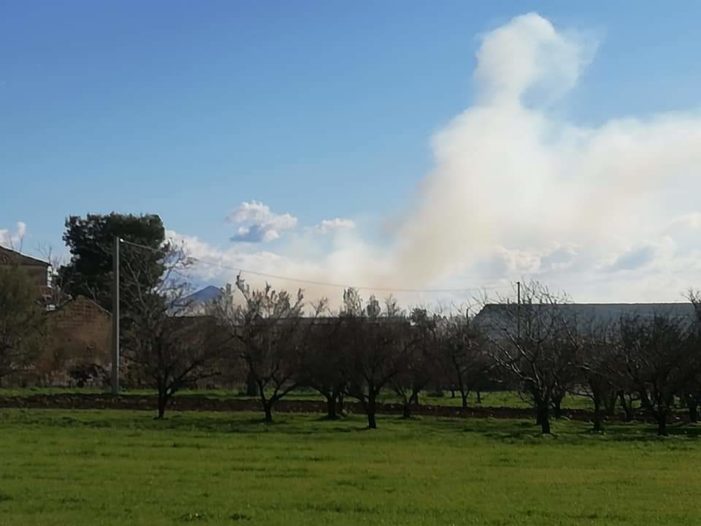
650, 359
360, 351
539, 346
544, 347
646, 362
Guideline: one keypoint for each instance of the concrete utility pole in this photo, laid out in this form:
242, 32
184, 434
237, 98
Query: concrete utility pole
115, 316
518, 309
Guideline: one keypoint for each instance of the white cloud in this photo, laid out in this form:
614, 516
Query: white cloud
607, 213
257, 223
220, 265
13, 240
332, 225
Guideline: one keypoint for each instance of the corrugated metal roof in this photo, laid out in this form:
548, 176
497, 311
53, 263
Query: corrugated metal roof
503, 316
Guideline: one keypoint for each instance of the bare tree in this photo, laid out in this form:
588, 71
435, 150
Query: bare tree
534, 342
323, 363
658, 357
692, 393
376, 345
164, 348
419, 358
270, 331
56, 294
598, 368
463, 355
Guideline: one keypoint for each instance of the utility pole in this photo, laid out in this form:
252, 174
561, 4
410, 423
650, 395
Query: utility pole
115, 316
518, 310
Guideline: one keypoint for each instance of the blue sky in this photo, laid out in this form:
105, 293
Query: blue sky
320, 110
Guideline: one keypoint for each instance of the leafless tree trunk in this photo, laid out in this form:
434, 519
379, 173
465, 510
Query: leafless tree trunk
163, 346
659, 359
270, 331
626, 400
377, 347
463, 355
420, 359
536, 343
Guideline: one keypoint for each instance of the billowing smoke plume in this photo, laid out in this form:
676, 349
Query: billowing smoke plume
520, 191
607, 213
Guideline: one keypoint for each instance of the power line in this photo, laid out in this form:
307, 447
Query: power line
320, 283
220, 265
339, 285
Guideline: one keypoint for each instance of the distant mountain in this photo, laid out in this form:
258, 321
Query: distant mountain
196, 303
204, 295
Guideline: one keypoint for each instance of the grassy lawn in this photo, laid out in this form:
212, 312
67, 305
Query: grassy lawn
119, 467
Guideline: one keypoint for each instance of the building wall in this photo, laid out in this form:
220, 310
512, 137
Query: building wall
37, 270
78, 345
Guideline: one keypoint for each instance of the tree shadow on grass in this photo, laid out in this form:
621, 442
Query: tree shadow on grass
284, 423
499, 430
570, 432
647, 432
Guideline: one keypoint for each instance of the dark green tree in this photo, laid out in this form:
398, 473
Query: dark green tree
90, 240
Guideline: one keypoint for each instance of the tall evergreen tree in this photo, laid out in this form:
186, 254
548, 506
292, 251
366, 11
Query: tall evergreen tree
90, 240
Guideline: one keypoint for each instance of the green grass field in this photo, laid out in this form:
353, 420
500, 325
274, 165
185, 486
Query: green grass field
119, 467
